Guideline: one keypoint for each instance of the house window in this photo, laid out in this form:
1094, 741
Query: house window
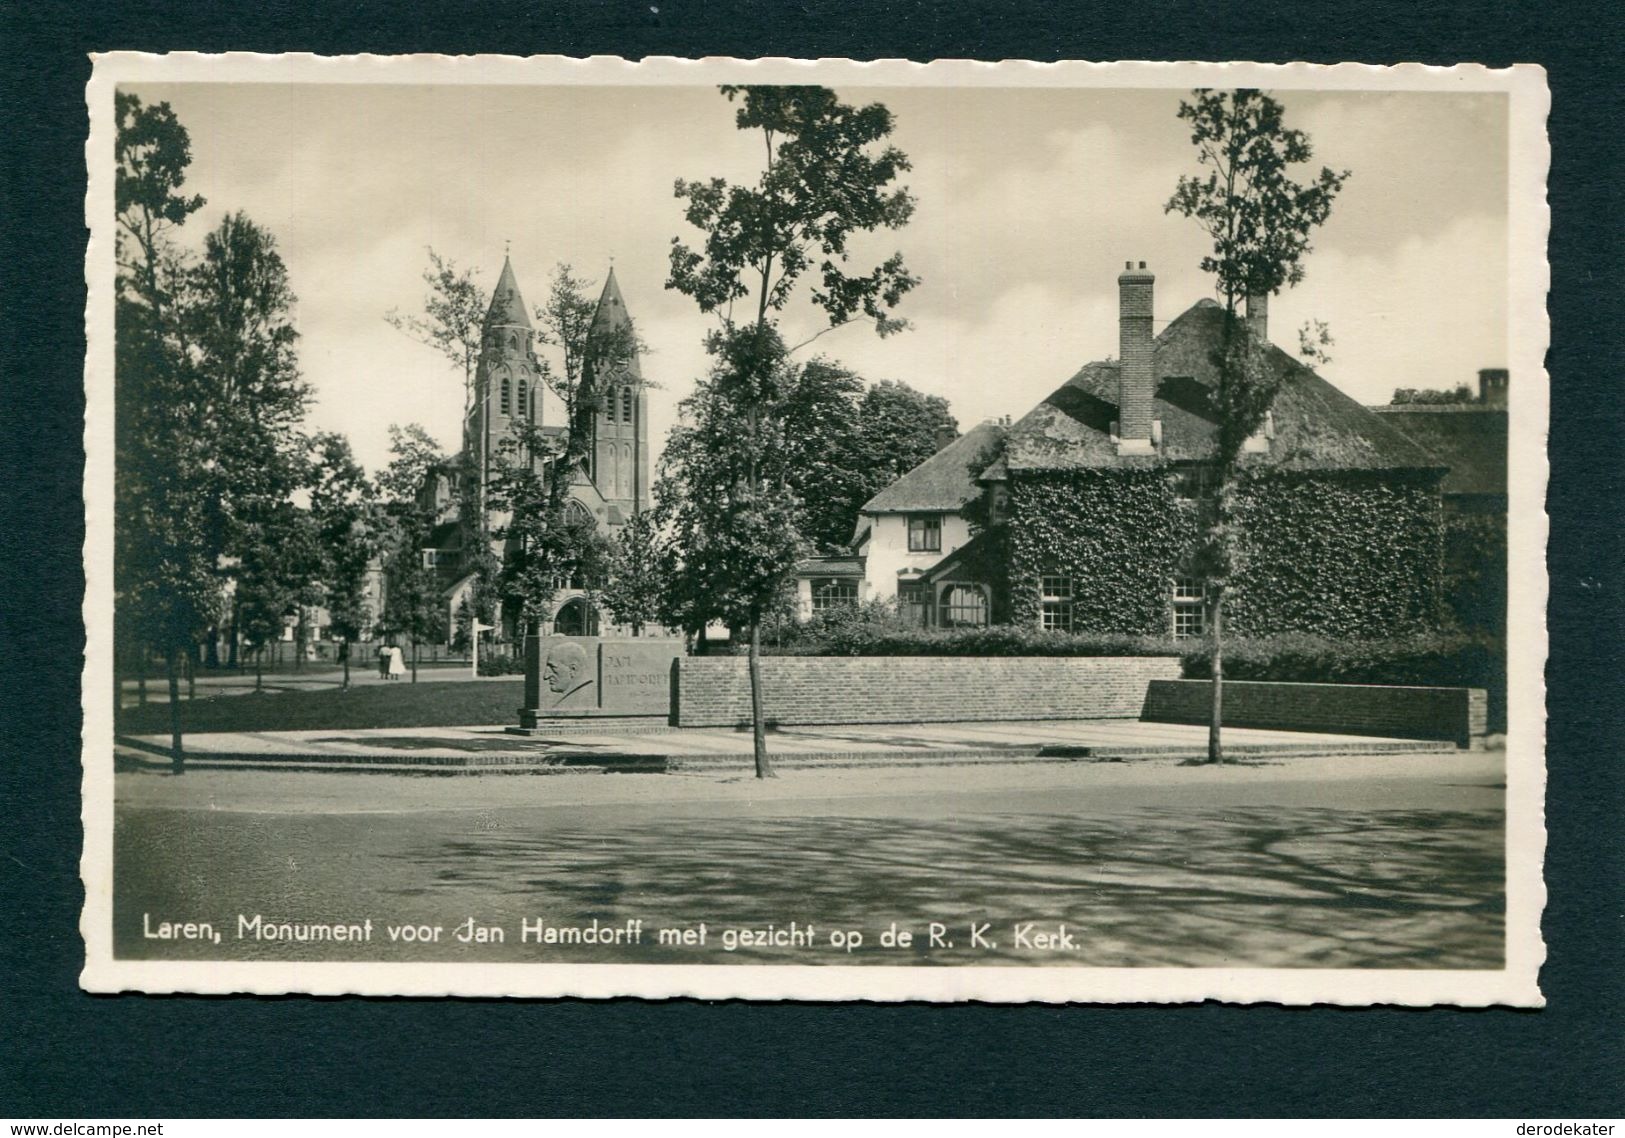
914, 603
925, 533
507, 397
1194, 482
1190, 608
835, 592
431, 558
964, 606
1056, 594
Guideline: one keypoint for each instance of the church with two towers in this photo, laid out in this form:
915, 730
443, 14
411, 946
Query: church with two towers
612, 485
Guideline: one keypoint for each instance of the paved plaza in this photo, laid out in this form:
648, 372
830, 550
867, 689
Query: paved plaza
650, 744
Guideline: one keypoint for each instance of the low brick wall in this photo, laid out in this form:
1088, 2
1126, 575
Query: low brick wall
1457, 714
715, 691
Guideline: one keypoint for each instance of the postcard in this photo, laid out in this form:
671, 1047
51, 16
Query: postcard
819, 530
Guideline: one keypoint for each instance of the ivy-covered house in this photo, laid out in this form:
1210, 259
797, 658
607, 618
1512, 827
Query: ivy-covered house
1470, 437
1090, 505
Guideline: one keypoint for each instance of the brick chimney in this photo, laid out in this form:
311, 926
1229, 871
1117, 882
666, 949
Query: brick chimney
1258, 316
1492, 386
1136, 376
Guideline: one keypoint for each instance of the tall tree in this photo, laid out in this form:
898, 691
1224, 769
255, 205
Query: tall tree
250, 396
636, 570
826, 176
278, 575
1260, 221
724, 500
411, 588
845, 441
413, 452
166, 568
346, 523
825, 456
453, 318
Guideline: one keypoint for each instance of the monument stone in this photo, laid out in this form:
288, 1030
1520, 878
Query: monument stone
579, 677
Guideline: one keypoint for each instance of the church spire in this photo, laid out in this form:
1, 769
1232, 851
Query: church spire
507, 306
611, 316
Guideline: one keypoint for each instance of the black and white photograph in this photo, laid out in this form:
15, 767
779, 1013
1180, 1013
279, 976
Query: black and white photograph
825, 530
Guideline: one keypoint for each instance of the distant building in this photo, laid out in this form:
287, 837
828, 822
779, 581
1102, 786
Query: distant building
613, 483
1089, 508
1470, 438
906, 532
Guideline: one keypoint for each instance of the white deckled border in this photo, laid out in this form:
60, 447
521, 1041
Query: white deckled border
1529, 280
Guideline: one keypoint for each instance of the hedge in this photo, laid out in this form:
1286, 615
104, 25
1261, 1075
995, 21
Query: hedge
502, 664
1471, 660
996, 640
1426, 660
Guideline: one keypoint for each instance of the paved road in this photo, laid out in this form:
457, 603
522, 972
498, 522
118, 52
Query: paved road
1375, 861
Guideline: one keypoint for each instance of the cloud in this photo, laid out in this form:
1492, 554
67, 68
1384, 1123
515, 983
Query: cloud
1029, 202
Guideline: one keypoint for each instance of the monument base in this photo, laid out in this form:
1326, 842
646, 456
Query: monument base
534, 724
577, 678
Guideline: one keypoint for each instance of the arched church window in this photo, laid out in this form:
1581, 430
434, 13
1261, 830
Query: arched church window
524, 399
626, 404
577, 514
507, 397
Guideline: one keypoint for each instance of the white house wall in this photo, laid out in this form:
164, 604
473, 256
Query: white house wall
888, 552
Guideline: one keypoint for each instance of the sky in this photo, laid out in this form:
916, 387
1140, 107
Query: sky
1029, 201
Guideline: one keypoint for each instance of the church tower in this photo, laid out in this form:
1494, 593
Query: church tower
507, 382
619, 457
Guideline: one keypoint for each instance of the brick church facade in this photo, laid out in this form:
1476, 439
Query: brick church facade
609, 488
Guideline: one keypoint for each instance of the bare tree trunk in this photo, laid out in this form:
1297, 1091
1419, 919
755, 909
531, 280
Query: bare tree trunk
764, 769
1215, 747
191, 675
177, 755
414, 659
259, 668
141, 678
344, 652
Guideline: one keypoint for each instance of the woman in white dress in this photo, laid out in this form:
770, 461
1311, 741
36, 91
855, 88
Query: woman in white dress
397, 665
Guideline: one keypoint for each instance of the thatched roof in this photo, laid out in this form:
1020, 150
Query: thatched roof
942, 483
1316, 426
1469, 438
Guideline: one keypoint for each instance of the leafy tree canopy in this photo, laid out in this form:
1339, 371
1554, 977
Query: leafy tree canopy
1427, 395
822, 183
413, 452
1259, 219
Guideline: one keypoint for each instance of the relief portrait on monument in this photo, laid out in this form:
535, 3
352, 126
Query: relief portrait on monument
567, 672
921, 531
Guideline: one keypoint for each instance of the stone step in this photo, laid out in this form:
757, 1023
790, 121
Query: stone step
589, 762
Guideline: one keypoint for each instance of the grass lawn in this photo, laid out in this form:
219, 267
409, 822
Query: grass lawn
423, 704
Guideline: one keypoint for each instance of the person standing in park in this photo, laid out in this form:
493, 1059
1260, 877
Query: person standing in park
397, 664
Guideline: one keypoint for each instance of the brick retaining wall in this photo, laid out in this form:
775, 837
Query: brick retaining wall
1458, 714
714, 691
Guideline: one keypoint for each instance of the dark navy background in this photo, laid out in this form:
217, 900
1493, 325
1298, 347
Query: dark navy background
66, 1054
